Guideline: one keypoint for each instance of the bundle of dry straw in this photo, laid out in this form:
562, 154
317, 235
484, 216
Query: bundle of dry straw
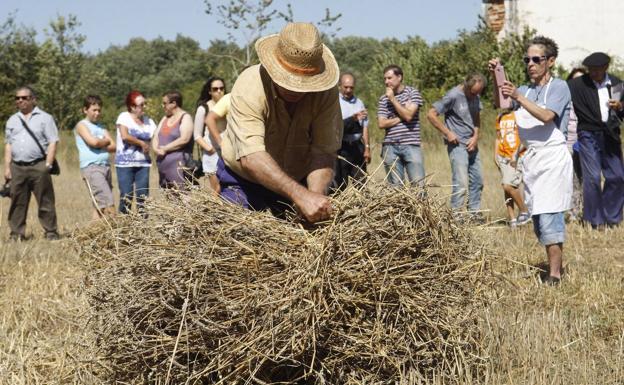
206, 292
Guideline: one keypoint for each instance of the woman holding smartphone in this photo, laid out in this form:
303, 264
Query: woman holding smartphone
542, 109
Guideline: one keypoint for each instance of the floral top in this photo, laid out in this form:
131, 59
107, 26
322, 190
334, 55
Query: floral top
129, 155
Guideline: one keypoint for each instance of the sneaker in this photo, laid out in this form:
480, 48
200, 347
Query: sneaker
52, 236
477, 218
523, 219
551, 281
17, 237
513, 223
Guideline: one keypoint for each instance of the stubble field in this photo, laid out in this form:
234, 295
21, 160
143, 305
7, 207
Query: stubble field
533, 335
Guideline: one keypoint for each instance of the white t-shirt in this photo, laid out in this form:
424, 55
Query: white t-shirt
129, 155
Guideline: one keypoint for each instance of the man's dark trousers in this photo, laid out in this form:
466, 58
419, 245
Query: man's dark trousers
601, 153
35, 179
352, 166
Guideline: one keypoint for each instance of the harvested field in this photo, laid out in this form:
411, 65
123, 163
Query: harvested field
530, 334
389, 291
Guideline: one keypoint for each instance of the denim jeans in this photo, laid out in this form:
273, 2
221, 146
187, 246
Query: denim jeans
399, 159
601, 157
133, 184
466, 176
549, 228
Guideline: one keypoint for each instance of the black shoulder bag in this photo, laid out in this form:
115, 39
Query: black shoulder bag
193, 169
56, 169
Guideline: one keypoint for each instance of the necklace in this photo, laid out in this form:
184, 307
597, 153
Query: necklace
538, 93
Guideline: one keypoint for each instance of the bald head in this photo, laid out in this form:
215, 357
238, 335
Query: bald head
347, 84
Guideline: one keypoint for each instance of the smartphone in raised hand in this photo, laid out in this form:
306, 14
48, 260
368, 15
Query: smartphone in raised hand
499, 79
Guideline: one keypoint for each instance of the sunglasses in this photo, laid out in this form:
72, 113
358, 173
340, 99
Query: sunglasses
534, 59
215, 89
22, 98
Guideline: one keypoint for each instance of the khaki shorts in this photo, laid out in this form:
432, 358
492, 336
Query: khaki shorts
511, 175
99, 182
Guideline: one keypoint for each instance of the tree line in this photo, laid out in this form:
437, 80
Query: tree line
62, 73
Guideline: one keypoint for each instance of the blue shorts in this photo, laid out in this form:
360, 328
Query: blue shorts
549, 228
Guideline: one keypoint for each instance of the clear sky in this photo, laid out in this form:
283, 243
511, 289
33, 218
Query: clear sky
114, 22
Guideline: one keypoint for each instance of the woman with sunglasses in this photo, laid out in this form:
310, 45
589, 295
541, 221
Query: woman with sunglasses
212, 91
132, 159
542, 109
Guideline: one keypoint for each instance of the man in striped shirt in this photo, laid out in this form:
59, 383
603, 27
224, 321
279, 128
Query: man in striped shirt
397, 113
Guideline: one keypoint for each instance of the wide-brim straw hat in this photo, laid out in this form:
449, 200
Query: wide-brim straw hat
297, 59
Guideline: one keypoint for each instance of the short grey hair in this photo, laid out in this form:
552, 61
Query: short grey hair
474, 78
27, 88
551, 49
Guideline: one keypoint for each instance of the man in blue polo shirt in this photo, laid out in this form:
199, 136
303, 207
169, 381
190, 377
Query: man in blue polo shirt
397, 113
354, 153
27, 168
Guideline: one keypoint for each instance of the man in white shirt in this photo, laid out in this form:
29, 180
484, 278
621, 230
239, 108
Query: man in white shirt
355, 151
597, 98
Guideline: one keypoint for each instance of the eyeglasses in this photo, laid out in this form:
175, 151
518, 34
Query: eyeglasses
215, 89
534, 59
22, 98
142, 105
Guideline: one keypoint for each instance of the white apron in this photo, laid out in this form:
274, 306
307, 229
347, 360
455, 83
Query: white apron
547, 164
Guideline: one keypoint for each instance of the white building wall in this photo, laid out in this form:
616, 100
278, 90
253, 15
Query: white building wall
579, 27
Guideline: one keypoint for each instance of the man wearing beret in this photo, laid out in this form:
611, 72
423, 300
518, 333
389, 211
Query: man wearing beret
284, 127
599, 113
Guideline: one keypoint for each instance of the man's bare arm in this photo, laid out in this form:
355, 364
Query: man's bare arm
432, 116
407, 112
385, 123
263, 169
365, 137
51, 152
321, 174
7, 161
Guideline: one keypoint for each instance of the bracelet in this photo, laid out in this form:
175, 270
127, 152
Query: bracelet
367, 146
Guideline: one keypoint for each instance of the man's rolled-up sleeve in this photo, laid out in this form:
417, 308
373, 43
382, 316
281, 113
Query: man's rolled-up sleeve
8, 133
445, 104
51, 131
327, 126
246, 125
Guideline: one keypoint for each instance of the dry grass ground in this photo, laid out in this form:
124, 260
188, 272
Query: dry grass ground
534, 335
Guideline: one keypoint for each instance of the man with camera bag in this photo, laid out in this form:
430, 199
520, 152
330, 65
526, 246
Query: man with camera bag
30, 147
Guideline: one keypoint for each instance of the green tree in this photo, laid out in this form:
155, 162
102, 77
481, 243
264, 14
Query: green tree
153, 67
248, 20
18, 50
63, 78
357, 55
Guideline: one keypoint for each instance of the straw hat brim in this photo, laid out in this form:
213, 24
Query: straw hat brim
266, 48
